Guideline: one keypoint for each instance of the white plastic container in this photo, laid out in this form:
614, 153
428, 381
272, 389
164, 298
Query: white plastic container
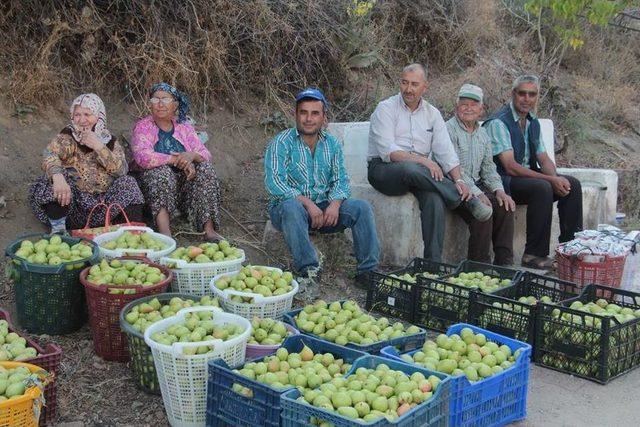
273, 307
193, 278
183, 378
151, 254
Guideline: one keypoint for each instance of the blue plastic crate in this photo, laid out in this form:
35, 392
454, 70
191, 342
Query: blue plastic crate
497, 400
226, 407
432, 413
403, 343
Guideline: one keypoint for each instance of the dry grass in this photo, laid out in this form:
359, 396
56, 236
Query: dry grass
481, 21
606, 77
256, 53
211, 49
433, 32
628, 185
230, 51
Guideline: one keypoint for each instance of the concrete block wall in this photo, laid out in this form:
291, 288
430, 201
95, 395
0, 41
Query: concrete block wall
398, 218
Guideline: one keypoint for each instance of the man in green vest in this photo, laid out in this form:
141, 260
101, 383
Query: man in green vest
529, 175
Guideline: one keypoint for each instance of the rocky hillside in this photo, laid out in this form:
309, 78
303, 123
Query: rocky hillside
240, 62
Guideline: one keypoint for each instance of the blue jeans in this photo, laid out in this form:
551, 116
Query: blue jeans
291, 218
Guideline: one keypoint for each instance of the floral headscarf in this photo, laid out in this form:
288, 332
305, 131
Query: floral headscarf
181, 98
95, 104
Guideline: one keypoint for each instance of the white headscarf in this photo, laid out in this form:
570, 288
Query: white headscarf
95, 104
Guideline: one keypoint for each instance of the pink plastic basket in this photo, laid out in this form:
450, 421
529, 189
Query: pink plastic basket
256, 350
585, 269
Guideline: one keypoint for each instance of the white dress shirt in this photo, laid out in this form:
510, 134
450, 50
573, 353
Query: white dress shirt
394, 127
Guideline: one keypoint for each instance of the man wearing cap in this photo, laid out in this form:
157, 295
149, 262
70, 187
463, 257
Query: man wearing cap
410, 151
309, 189
473, 146
529, 175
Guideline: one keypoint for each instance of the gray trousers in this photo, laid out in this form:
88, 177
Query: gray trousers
399, 178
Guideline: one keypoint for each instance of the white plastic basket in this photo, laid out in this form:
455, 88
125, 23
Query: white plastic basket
193, 278
183, 378
273, 307
152, 255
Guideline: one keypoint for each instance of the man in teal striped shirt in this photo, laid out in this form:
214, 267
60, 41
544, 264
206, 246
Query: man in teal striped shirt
309, 189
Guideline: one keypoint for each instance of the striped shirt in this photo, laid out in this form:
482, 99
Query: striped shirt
501, 139
291, 170
476, 159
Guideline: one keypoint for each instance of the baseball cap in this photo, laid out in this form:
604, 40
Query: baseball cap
470, 91
312, 93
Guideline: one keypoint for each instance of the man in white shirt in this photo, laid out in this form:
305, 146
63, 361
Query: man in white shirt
410, 151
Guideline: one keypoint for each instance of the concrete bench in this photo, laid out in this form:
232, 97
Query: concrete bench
398, 218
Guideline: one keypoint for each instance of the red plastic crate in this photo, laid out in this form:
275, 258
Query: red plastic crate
48, 358
109, 341
585, 269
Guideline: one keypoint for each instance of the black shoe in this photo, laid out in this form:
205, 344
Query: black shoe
503, 263
363, 280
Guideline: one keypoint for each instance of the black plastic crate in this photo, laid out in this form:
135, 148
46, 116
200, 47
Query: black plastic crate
501, 311
589, 345
440, 304
395, 297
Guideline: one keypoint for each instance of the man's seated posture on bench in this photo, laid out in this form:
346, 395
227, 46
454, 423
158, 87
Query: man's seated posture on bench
529, 175
473, 146
410, 152
309, 189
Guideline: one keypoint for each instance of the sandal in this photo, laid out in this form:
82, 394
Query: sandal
214, 239
538, 263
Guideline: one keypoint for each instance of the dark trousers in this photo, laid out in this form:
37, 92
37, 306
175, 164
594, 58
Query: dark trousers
539, 196
399, 178
497, 230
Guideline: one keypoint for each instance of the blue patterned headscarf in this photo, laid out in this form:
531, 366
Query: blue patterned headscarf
183, 101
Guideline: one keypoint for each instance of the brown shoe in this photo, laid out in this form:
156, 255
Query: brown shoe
538, 263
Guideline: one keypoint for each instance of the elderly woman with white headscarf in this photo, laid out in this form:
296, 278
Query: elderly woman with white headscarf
84, 165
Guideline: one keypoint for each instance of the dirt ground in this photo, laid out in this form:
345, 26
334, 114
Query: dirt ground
93, 392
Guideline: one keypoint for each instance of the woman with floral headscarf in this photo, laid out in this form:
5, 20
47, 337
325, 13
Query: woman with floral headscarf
84, 165
178, 174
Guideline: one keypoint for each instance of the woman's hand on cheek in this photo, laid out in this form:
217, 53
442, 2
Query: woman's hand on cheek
90, 139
